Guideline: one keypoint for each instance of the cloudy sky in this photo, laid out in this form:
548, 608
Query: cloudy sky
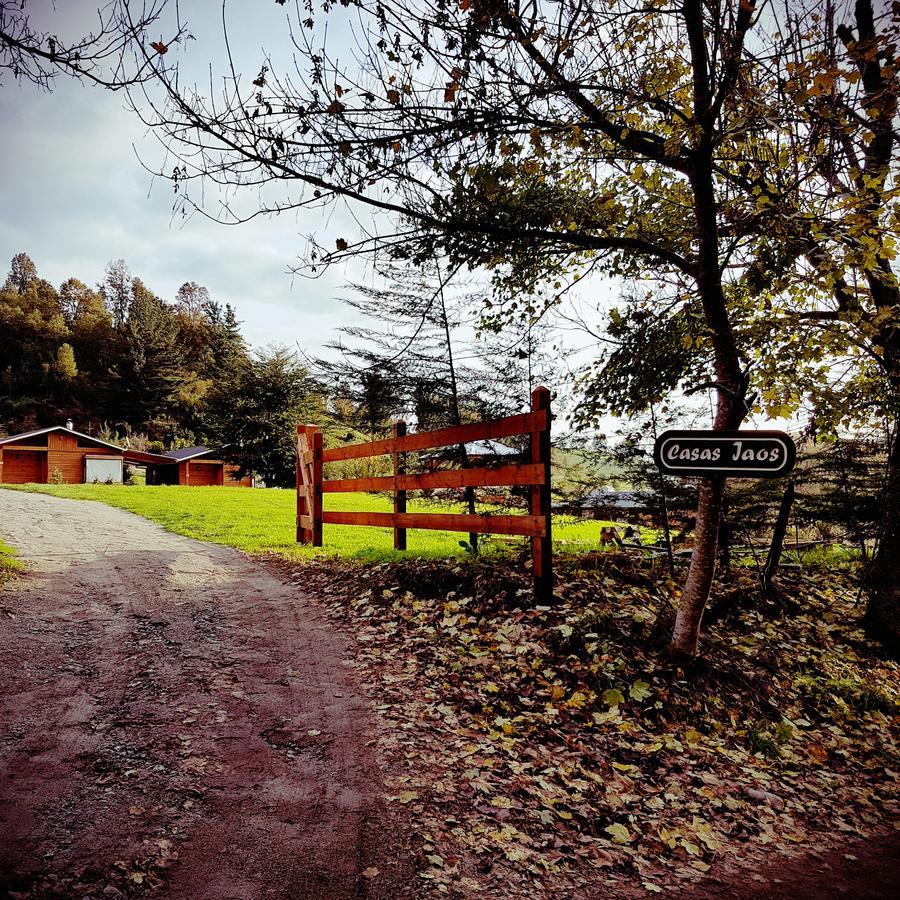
75, 195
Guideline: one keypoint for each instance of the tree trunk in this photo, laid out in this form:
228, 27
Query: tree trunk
882, 617
730, 412
686, 635
781, 523
665, 505
469, 492
731, 384
725, 532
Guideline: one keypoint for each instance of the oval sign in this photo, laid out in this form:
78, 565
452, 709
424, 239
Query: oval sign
738, 454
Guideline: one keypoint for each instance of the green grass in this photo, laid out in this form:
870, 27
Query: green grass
9, 565
262, 520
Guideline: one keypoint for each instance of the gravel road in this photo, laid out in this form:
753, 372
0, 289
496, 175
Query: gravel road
174, 719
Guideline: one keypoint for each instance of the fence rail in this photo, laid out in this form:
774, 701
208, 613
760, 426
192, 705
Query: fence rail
534, 474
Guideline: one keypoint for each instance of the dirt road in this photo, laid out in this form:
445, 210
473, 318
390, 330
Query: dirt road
175, 718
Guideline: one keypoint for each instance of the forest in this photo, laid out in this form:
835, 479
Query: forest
131, 367
114, 357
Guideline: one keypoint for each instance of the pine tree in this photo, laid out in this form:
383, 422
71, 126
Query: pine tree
255, 414
840, 484
150, 372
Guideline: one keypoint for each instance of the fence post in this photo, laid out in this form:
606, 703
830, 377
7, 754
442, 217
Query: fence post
399, 430
542, 547
309, 485
301, 494
781, 524
317, 468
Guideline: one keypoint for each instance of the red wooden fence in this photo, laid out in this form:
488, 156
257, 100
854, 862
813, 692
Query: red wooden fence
311, 486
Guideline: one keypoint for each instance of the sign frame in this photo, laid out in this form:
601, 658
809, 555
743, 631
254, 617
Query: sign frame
711, 438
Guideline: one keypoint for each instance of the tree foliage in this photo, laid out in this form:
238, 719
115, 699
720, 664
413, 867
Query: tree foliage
255, 414
117, 356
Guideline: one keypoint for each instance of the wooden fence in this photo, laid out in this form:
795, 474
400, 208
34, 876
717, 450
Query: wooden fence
535, 474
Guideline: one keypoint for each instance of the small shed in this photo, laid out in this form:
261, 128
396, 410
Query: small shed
59, 453
195, 466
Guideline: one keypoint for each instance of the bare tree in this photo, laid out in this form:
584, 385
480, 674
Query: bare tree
536, 140
105, 55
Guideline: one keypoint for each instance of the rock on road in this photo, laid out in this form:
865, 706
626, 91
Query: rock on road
175, 719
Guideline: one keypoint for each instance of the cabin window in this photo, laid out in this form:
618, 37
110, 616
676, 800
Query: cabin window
103, 469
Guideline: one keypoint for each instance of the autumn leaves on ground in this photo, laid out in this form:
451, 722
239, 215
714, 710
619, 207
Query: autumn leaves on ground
421, 727
554, 751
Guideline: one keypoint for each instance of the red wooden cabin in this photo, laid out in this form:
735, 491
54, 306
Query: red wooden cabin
196, 466
58, 454
61, 454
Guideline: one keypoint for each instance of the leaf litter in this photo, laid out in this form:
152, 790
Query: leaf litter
553, 750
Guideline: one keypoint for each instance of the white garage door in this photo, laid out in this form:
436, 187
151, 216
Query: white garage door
103, 469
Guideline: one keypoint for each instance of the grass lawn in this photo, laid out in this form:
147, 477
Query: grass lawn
262, 520
9, 565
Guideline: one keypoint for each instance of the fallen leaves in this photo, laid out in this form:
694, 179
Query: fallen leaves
619, 833
540, 747
613, 697
640, 690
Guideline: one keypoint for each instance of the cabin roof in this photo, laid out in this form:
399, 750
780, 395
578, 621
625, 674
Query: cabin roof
610, 497
186, 453
29, 434
143, 458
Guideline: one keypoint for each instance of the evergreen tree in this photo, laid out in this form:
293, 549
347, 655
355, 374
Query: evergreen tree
840, 484
401, 363
150, 372
255, 414
227, 346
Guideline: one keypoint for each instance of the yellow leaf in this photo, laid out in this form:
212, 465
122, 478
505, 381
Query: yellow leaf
618, 832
